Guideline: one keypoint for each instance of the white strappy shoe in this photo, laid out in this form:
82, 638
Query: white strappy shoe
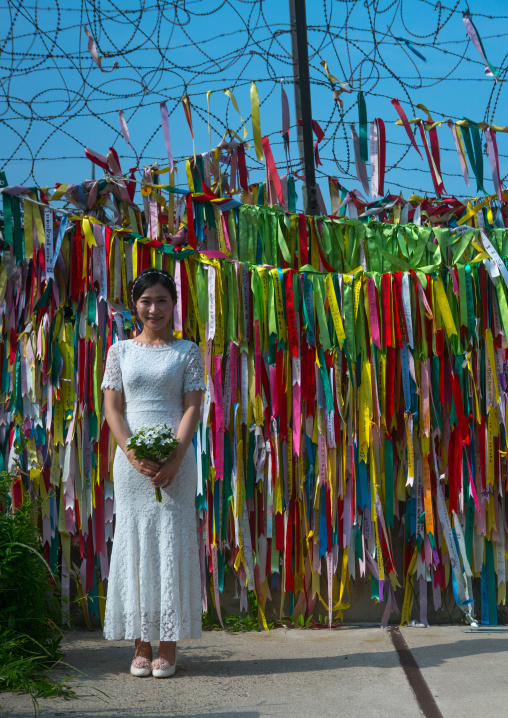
162, 669
141, 666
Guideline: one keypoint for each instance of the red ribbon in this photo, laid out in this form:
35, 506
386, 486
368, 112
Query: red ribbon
407, 127
319, 136
97, 159
302, 235
382, 155
321, 255
459, 409
386, 306
187, 110
438, 186
242, 168
290, 313
191, 235
400, 325
272, 169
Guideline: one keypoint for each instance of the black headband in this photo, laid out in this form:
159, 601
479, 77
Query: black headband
152, 271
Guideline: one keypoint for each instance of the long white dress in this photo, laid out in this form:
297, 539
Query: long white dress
154, 587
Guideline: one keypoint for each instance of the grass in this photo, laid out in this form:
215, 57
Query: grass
30, 605
251, 621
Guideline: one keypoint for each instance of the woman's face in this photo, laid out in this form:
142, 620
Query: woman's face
155, 307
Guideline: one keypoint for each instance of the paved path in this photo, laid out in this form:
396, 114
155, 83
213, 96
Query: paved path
353, 671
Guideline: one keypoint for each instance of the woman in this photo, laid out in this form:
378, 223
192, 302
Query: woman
154, 588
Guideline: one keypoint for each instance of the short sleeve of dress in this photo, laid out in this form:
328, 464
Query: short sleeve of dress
193, 377
112, 373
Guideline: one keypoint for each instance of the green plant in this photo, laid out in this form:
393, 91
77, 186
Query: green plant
234, 623
30, 604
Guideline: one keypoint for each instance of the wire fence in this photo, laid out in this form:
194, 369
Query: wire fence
55, 99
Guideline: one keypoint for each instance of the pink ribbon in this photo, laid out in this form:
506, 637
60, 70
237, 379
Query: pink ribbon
462, 161
93, 52
213, 253
471, 31
165, 130
97, 159
272, 169
421, 294
125, 129
435, 173
114, 164
373, 312
337, 93
219, 419
320, 200
297, 398
285, 110
407, 127
494, 161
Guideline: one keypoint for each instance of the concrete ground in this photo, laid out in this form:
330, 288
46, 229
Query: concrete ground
352, 671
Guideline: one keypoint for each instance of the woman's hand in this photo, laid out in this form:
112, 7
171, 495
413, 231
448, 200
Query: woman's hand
167, 471
144, 466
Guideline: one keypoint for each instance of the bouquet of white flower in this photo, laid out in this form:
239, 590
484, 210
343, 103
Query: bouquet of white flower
155, 443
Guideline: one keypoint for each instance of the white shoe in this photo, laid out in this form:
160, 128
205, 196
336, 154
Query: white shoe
141, 667
162, 669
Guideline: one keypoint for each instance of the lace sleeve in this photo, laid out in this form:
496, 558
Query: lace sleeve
193, 377
112, 373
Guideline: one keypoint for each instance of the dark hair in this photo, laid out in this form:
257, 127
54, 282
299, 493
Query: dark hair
149, 278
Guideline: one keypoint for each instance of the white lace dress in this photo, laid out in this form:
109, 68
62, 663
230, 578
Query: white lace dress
154, 587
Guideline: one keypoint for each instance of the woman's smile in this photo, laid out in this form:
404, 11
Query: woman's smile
155, 299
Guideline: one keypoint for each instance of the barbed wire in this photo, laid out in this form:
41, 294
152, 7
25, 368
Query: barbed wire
54, 99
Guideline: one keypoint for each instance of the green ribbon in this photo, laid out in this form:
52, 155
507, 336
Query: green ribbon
475, 156
325, 382
7, 208
291, 193
44, 297
349, 323
362, 117
463, 295
324, 335
471, 318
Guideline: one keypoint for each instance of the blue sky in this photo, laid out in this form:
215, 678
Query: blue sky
55, 100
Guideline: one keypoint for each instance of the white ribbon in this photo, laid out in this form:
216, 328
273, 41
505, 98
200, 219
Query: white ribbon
374, 159
48, 242
463, 165
406, 301
361, 169
489, 248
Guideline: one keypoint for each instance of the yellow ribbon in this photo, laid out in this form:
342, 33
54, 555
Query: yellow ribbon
209, 130
256, 121
331, 77
190, 180
444, 307
462, 123
235, 105
332, 300
232, 132
59, 193
186, 103
88, 232
461, 142
474, 210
